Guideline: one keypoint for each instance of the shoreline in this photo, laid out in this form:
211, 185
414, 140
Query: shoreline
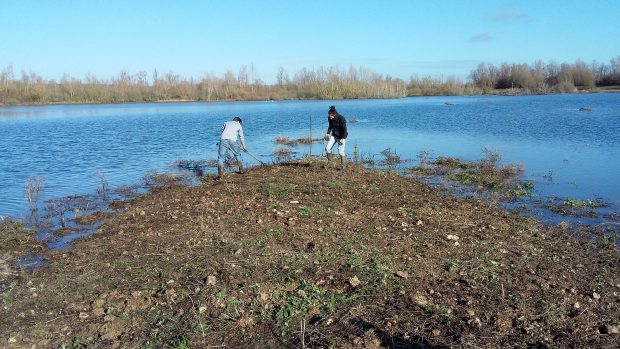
351, 256
501, 93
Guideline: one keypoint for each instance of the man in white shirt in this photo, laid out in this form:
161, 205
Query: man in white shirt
231, 130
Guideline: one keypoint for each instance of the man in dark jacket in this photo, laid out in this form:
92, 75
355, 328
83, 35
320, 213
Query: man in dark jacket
336, 132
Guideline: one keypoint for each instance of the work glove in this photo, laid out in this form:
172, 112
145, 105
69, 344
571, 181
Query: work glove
326, 137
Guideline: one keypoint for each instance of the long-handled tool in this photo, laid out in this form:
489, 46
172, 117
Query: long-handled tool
250, 154
255, 157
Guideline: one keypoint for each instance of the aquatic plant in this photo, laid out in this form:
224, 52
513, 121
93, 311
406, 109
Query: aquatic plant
156, 179
368, 160
284, 140
104, 186
32, 191
282, 154
492, 157
390, 159
549, 176
581, 203
521, 190
307, 140
423, 157
450, 162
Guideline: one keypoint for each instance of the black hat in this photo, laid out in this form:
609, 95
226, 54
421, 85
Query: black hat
237, 119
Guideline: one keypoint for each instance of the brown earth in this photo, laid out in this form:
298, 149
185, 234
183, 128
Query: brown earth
300, 256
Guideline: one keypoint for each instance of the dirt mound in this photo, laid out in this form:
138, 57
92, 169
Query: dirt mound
300, 256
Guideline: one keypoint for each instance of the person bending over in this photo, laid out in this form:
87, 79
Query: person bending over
231, 131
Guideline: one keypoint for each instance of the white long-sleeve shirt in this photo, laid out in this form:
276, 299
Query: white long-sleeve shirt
231, 130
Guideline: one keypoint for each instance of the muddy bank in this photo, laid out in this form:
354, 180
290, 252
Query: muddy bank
300, 256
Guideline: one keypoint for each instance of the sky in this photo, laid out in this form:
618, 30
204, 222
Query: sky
399, 38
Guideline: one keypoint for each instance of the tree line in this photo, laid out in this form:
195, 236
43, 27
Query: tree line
319, 83
549, 77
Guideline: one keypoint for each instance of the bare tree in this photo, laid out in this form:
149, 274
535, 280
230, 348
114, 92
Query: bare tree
282, 77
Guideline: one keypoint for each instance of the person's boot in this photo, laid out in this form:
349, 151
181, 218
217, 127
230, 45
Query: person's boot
343, 163
220, 171
241, 168
329, 159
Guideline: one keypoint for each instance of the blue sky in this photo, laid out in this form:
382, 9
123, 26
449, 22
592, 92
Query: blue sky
392, 37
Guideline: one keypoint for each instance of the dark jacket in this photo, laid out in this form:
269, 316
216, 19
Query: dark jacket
338, 127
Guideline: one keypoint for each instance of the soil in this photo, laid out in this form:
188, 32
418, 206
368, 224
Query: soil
92, 218
300, 256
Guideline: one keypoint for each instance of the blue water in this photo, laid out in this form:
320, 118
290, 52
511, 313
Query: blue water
69, 145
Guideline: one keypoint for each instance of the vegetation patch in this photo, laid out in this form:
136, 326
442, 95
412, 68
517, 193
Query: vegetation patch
581, 203
282, 154
92, 218
285, 140
16, 240
485, 174
390, 159
279, 191
575, 207
156, 179
451, 163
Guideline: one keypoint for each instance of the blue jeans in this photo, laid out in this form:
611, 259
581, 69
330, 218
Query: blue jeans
228, 148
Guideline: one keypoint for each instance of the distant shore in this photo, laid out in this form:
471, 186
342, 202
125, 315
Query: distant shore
496, 92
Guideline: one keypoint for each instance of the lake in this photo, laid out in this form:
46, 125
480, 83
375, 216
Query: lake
567, 152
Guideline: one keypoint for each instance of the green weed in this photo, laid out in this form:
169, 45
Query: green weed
184, 268
375, 276
199, 327
442, 311
453, 266
8, 297
233, 304
335, 185
76, 343
222, 294
582, 204
310, 211
150, 344
181, 343
297, 304
521, 190
407, 211
275, 191
469, 178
